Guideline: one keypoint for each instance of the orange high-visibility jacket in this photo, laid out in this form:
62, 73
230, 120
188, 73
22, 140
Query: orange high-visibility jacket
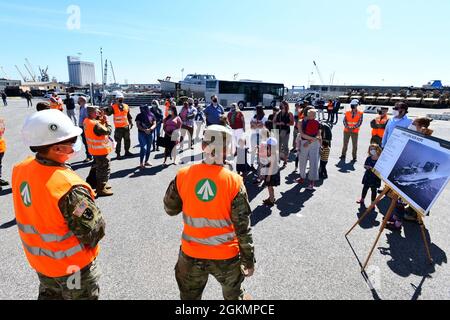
56, 105
121, 116
2, 145
51, 248
97, 145
207, 192
353, 121
380, 121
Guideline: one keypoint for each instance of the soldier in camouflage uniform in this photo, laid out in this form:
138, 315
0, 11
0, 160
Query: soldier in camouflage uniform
59, 223
192, 272
123, 126
101, 167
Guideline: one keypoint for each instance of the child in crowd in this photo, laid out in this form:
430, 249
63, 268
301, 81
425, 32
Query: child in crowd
241, 157
270, 170
370, 180
324, 157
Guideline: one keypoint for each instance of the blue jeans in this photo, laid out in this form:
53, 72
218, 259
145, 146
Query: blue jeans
145, 142
155, 134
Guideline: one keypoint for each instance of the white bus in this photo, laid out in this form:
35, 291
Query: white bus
245, 93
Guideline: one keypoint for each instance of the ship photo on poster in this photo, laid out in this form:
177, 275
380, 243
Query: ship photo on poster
420, 173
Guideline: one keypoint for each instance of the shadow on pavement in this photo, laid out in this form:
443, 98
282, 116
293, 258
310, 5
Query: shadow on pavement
5, 192
9, 224
260, 214
346, 167
370, 220
408, 255
292, 201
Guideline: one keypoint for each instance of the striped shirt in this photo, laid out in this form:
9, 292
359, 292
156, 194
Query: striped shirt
325, 154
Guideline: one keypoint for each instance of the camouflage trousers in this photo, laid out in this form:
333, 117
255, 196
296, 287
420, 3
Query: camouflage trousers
119, 134
85, 287
102, 167
192, 277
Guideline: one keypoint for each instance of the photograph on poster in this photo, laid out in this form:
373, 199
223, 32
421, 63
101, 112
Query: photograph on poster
420, 173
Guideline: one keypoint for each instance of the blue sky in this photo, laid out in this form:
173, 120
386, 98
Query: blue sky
400, 42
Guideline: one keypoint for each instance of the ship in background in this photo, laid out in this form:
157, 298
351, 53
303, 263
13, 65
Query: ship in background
192, 85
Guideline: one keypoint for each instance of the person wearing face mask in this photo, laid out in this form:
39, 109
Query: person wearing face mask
213, 112
58, 220
370, 180
379, 126
97, 131
400, 120
352, 122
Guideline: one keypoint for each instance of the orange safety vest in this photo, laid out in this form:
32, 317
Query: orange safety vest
121, 116
207, 192
330, 106
166, 111
50, 247
353, 121
56, 105
380, 121
2, 145
97, 145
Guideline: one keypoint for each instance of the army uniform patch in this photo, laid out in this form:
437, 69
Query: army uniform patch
80, 209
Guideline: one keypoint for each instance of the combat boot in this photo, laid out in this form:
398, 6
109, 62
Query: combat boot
102, 191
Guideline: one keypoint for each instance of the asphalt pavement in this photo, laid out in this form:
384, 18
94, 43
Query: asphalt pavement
301, 249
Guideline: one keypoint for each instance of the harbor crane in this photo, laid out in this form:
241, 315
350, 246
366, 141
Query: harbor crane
319, 73
21, 74
44, 75
113, 73
30, 69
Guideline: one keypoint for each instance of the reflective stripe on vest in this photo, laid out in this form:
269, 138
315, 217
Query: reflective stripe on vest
28, 229
352, 122
39, 252
49, 245
209, 232
380, 132
212, 241
206, 223
97, 145
121, 116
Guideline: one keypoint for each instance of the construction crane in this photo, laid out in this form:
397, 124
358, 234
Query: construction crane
21, 74
30, 69
319, 73
44, 75
112, 70
30, 73
106, 73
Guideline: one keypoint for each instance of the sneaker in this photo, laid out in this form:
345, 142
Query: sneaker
361, 202
311, 187
87, 160
300, 181
148, 164
269, 203
342, 157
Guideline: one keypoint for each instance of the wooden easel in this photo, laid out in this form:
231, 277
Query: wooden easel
394, 199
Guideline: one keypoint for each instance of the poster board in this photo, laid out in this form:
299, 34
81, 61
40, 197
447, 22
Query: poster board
416, 167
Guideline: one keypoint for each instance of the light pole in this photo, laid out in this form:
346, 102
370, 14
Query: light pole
182, 74
101, 68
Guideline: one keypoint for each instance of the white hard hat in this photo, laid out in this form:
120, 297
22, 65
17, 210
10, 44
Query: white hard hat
119, 95
355, 102
211, 130
48, 127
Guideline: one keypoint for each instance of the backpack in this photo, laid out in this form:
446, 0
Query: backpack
327, 132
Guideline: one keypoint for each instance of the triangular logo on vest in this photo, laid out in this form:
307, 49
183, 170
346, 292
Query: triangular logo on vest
25, 194
206, 190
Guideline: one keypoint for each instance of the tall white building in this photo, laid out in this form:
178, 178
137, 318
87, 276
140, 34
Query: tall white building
81, 73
